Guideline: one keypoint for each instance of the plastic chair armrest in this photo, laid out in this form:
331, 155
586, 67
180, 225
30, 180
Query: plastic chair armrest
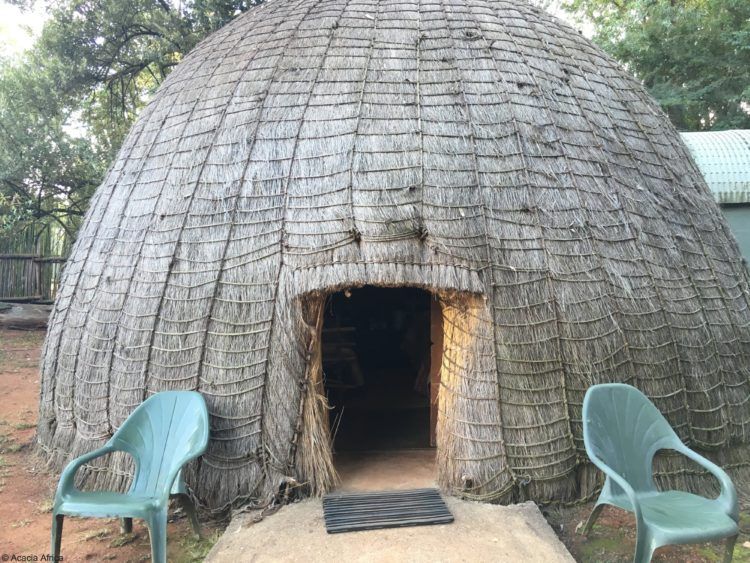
176, 473
195, 454
623, 484
67, 477
728, 496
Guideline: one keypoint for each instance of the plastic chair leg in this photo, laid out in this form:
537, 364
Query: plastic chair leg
126, 525
187, 505
644, 548
157, 531
592, 519
729, 549
57, 527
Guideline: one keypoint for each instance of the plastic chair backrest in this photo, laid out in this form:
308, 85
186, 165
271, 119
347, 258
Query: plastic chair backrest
624, 429
162, 434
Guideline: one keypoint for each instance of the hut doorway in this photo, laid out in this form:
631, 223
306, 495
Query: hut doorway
376, 357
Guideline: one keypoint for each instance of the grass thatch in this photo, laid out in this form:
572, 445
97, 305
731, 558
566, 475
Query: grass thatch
481, 150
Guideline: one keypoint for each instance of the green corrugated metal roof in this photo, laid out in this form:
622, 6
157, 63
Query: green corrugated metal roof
724, 159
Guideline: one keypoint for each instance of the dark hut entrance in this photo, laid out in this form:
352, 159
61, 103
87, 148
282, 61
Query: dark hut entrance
376, 348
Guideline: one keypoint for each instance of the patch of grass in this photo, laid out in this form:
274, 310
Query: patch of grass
195, 550
608, 548
7, 445
715, 552
20, 523
25, 341
123, 539
45, 506
4, 472
24, 425
745, 523
100, 534
707, 552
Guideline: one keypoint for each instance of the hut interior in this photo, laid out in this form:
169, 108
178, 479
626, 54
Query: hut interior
376, 355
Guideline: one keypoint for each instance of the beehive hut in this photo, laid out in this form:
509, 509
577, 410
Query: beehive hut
482, 153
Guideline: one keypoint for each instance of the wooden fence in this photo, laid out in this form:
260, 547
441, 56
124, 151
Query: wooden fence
28, 277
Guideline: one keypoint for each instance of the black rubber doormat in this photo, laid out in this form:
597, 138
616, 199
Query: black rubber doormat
351, 512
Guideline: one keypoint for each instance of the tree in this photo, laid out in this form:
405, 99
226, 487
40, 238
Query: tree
692, 55
66, 105
47, 173
112, 55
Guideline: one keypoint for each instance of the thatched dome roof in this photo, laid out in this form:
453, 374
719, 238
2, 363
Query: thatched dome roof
482, 150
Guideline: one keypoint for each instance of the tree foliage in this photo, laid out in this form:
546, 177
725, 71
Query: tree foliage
47, 173
692, 55
66, 105
113, 54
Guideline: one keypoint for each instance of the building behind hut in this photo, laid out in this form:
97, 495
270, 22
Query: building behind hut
723, 158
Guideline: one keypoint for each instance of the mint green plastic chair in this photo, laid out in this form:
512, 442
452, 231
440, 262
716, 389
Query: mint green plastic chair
622, 431
164, 433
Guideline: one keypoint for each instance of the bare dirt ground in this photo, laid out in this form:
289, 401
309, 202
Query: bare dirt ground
27, 487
